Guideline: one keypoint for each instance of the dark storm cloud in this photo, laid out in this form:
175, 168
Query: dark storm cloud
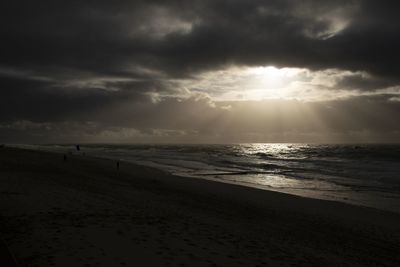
42, 100
102, 60
105, 36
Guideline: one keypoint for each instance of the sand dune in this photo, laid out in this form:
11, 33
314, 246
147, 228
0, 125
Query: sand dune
86, 212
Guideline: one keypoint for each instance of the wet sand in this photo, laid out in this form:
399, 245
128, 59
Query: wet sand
86, 212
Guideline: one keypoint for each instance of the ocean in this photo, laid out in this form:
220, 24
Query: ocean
366, 175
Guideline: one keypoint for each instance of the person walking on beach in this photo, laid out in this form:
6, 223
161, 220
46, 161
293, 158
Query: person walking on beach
118, 164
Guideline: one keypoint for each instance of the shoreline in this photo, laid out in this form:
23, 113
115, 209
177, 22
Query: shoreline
85, 156
170, 219
350, 190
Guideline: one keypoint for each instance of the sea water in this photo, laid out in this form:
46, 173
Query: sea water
367, 175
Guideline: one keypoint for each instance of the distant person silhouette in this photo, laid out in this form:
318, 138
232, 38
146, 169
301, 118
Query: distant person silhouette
65, 157
78, 148
118, 164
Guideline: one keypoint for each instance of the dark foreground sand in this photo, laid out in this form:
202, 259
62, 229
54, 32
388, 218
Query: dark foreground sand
84, 212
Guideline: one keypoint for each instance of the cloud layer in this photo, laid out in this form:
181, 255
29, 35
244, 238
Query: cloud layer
132, 68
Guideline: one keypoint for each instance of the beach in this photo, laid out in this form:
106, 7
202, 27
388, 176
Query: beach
84, 211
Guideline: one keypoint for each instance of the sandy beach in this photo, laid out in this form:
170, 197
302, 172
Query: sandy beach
86, 212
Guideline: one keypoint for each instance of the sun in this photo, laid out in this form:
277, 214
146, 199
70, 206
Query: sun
273, 73
270, 81
248, 83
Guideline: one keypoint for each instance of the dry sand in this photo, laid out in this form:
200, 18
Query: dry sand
85, 212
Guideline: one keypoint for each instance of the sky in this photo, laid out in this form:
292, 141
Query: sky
201, 71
